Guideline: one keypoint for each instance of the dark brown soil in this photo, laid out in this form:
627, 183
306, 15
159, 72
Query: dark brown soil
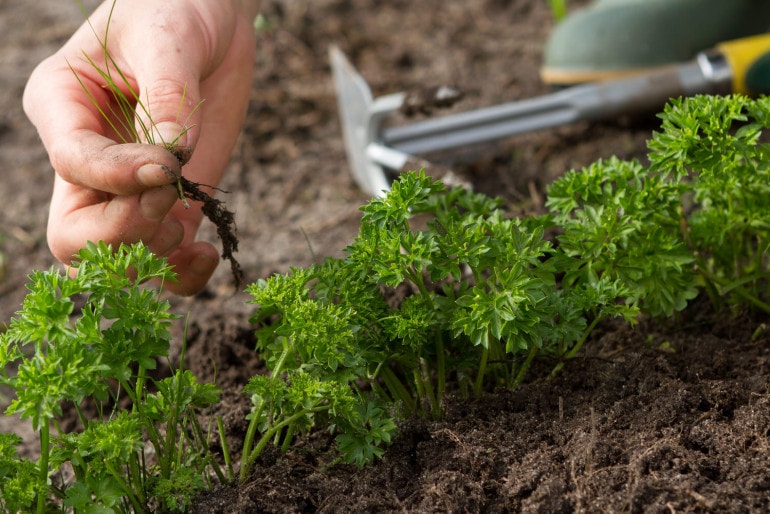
659, 418
668, 416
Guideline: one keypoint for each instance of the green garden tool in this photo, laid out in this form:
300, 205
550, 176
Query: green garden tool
740, 66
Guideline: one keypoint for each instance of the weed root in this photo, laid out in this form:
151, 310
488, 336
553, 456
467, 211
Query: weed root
224, 220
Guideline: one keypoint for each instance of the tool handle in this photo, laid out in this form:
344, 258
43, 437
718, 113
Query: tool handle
749, 60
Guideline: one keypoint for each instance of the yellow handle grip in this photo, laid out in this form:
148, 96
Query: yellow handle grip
741, 54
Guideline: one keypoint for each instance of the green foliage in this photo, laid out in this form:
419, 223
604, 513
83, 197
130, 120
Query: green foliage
479, 302
18, 477
441, 291
558, 9
712, 147
95, 355
314, 360
695, 219
621, 222
442, 285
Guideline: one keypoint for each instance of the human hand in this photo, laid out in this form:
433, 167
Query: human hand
174, 54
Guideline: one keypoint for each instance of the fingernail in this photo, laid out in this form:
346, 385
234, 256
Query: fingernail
155, 203
170, 135
173, 138
203, 264
152, 175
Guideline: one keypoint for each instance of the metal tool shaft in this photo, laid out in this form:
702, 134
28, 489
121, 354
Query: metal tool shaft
708, 74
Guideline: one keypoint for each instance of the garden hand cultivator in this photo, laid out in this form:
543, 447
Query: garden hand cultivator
740, 66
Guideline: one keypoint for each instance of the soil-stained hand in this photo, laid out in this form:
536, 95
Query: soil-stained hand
191, 62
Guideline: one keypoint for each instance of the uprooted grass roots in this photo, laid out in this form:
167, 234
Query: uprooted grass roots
224, 220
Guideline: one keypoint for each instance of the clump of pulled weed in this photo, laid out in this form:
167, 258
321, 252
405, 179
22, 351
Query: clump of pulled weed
224, 220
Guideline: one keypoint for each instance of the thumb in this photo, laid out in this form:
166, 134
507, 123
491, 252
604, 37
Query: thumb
169, 114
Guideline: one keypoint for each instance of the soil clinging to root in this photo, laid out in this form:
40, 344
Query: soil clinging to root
215, 210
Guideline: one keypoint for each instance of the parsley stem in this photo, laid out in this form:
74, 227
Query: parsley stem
419, 389
45, 449
424, 376
397, 388
737, 289
140, 381
288, 438
533, 351
248, 442
478, 385
225, 450
575, 349
250, 455
251, 458
136, 475
128, 491
440, 373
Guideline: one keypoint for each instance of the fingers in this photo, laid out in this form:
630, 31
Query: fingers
194, 264
148, 217
108, 190
226, 91
80, 143
170, 114
78, 215
81, 124
94, 161
187, 45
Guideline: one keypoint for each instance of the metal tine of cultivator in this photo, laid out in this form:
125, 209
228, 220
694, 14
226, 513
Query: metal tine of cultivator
361, 117
370, 147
